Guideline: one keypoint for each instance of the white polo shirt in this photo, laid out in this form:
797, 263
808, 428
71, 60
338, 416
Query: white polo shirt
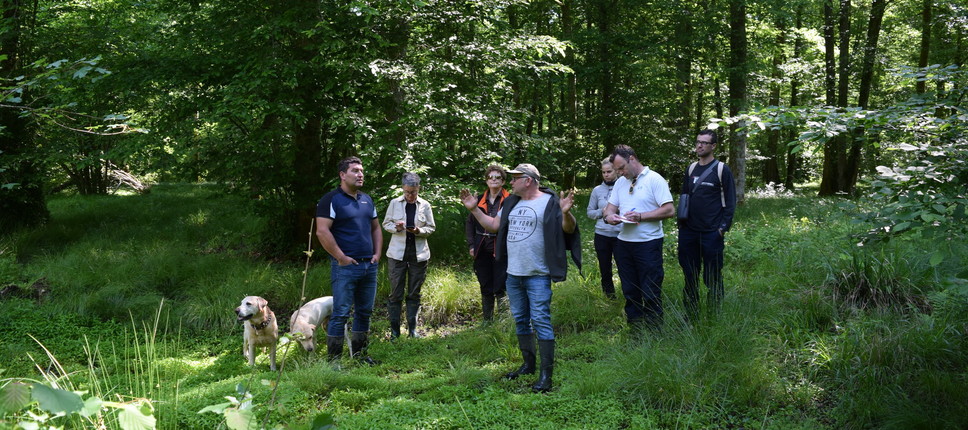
651, 191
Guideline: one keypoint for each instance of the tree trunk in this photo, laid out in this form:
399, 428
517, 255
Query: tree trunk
843, 95
606, 110
571, 90
737, 93
683, 65
793, 159
771, 168
866, 82
828, 181
919, 87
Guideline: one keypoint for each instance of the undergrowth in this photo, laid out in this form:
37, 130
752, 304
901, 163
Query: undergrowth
814, 332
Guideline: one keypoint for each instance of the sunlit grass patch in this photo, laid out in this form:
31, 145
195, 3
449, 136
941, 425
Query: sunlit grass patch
446, 293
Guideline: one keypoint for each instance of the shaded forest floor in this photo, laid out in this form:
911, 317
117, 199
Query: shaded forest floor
133, 296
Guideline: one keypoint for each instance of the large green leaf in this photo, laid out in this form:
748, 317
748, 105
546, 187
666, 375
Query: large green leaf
131, 417
14, 397
237, 419
92, 405
219, 408
55, 400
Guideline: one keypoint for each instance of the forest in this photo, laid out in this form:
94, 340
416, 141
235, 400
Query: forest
161, 159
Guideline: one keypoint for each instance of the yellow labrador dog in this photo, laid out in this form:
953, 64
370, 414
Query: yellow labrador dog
310, 317
261, 328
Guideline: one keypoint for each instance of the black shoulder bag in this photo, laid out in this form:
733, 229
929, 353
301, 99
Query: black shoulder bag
682, 212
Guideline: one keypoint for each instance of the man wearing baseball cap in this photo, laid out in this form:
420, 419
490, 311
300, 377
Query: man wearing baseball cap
535, 230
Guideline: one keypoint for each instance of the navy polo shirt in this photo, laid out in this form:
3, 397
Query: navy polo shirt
351, 221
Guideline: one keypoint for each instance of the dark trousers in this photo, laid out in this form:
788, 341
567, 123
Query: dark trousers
406, 276
640, 269
701, 252
491, 274
605, 249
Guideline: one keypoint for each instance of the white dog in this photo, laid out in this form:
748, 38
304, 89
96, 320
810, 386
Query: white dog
310, 317
261, 328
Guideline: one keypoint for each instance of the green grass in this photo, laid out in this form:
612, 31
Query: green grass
815, 331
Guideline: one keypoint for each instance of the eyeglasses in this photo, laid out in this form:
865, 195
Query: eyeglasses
494, 177
699, 142
632, 187
515, 178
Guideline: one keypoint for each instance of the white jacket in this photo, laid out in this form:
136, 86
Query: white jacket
423, 220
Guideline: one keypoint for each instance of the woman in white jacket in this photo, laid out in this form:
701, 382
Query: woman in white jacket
410, 220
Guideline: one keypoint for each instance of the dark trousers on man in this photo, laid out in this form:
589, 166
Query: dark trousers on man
701, 252
605, 249
640, 269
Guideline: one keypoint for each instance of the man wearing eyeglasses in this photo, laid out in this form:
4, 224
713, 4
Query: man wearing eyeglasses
712, 202
535, 230
640, 201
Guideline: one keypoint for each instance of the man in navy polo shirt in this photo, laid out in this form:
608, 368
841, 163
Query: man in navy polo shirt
349, 230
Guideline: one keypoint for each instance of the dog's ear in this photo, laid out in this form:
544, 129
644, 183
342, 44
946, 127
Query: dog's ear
261, 303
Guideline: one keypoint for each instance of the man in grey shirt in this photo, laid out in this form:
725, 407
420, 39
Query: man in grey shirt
535, 230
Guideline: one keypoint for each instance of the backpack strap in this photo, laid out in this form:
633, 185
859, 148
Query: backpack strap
722, 189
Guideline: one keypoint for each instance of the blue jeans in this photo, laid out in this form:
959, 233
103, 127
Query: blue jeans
530, 299
701, 252
354, 286
640, 269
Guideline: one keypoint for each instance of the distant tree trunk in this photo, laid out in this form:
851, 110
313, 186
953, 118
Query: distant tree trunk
571, 90
737, 93
919, 87
771, 169
843, 95
606, 110
793, 159
699, 106
718, 96
683, 65
24, 204
829, 180
394, 104
866, 82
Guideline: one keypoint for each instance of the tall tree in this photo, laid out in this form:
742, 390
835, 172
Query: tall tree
771, 168
793, 159
925, 42
738, 63
866, 82
837, 87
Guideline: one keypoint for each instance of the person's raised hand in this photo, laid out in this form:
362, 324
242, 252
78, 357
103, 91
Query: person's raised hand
566, 201
468, 199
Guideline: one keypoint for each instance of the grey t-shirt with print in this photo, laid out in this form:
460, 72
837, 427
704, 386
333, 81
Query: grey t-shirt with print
526, 242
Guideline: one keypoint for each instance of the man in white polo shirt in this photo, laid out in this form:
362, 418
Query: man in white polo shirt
640, 200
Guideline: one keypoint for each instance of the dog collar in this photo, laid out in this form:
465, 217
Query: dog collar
263, 324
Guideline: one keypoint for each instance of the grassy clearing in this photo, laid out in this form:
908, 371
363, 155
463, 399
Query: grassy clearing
815, 331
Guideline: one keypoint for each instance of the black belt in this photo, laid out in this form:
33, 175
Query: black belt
362, 258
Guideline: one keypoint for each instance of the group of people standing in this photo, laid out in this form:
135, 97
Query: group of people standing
521, 240
630, 205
